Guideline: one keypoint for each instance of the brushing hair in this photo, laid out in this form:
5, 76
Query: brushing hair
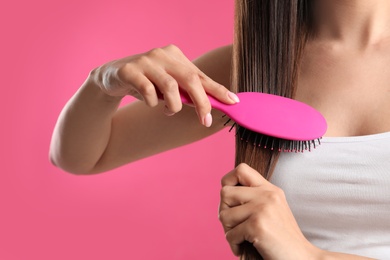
269, 39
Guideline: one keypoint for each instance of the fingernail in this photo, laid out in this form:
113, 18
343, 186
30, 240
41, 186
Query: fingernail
233, 97
208, 120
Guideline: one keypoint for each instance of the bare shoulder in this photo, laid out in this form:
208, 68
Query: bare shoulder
217, 64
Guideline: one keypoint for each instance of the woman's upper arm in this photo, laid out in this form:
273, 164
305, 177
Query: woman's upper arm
139, 131
217, 64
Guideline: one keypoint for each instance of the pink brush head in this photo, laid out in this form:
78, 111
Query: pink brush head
273, 121
277, 122
275, 116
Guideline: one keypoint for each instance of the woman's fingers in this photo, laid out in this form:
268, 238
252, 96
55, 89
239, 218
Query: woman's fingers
232, 196
240, 233
217, 90
167, 81
232, 216
168, 87
258, 212
211, 87
197, 84
144, 87
244, 175
189, 81
163, 70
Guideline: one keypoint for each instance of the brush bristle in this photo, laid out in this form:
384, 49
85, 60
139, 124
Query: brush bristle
273, 143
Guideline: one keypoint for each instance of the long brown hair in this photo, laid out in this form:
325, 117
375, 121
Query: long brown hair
269, 39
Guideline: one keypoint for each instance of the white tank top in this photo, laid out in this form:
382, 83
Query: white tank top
340, 193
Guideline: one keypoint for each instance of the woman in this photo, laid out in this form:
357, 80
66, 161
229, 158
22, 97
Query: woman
336, 54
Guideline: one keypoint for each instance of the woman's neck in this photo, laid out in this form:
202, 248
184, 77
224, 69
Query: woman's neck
357, 23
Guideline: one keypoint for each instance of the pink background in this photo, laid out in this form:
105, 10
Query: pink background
164, 207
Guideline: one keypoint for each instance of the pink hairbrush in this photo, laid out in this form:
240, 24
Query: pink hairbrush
272, 121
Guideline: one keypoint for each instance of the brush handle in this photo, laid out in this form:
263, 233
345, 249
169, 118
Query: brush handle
186, 99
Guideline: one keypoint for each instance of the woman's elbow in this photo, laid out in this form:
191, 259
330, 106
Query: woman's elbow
69, 166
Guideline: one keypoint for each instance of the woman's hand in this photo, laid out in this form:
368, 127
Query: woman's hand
257, 211
164, 70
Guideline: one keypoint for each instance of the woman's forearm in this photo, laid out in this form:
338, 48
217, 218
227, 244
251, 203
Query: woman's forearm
83, 129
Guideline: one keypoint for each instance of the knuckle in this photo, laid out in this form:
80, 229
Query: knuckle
229, 236
192, 78
122, 72
279, 191
126, 72
275, 196
169, 84
203, 76
156, 53
242, 168
172, 47
146, 89
223, 180
222, 217
225, 190
142, 61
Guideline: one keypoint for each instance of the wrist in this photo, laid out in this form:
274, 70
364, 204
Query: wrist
92, 83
